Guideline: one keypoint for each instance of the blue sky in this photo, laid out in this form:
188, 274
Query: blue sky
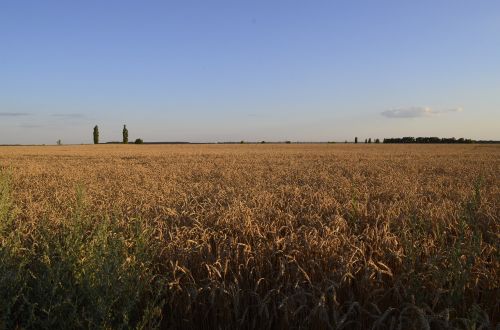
251, 70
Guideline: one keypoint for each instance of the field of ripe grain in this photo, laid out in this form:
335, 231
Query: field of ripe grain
250, 236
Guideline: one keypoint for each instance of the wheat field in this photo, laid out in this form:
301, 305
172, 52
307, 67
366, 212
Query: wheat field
264, 236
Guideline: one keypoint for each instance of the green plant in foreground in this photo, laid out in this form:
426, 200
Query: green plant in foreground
83, 273
452, 269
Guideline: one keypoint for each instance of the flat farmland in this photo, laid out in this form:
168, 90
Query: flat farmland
331, 236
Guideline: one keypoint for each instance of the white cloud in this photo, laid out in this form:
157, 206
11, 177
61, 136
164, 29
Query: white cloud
414, 112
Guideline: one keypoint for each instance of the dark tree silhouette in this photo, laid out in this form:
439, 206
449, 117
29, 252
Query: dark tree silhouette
356, 139
96, 135
125, 134
432, 139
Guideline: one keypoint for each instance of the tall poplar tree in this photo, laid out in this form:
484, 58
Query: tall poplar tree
96, 135
125, 134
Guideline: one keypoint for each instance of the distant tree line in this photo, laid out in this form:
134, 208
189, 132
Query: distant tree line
411, 139
369, 140
406, 139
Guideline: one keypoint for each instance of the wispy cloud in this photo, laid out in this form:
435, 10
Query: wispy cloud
30, 126
68, 115
452, 110
14, 114
415, 112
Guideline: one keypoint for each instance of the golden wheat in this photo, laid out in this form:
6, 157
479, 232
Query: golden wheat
267, 236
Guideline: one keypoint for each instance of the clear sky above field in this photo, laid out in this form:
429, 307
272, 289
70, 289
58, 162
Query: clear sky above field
251, 70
